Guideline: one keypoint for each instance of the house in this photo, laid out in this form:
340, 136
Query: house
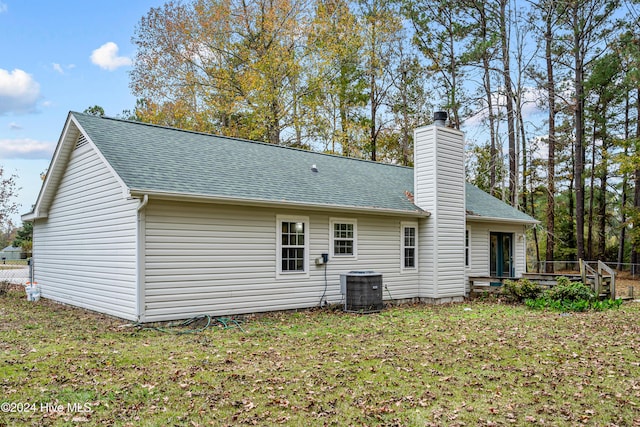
150, 223
11, 253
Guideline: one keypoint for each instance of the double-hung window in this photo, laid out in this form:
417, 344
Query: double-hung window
293, 245
409, 245
343, 236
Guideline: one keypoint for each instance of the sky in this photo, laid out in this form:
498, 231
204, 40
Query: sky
58, 56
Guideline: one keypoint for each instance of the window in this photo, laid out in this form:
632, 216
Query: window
467, 247
293, 244
343, 237
409, 246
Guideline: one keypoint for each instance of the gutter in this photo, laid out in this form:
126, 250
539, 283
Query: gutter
270, 203
29, 217
477, 218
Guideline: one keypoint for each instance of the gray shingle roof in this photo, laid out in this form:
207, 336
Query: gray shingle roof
482, 206
157, 159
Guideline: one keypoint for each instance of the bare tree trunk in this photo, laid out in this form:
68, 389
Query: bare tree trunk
551, 162
572, 220
486, 66
344, 127
535, 229
525, 171
373, 116
578, 56
506, 72
635, 259
602, 211
636, 199
623, 204
373, 89
405, 130
591, 196
455, 108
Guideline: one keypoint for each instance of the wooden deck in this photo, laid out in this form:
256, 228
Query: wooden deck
482, 285
601, 280
550, 279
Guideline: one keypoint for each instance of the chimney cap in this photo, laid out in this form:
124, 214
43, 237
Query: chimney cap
440, 117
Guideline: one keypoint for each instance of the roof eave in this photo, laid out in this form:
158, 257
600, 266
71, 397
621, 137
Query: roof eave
30, 216
479, 218
162, 195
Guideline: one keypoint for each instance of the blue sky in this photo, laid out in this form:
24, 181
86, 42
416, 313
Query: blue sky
59, 56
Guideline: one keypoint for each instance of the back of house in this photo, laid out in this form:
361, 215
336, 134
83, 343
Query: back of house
150, 223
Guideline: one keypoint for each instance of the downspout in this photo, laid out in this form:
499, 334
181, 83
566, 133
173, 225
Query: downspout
143, 203
140, 258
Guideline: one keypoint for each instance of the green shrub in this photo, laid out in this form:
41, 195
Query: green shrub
544, 303
606, 304
567, 290
520, 290
570, 296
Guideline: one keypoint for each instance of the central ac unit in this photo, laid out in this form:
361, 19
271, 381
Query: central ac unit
362, 291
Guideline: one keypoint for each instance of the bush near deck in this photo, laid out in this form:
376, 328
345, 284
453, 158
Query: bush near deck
565, 296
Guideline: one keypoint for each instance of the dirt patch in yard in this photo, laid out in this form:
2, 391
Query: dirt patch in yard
627, 286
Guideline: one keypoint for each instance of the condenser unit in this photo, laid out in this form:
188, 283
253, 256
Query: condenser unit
362, 291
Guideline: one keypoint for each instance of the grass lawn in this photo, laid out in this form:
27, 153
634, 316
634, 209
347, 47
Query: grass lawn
464, 364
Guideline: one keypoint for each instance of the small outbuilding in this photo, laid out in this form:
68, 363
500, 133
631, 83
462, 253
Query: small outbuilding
150, 223
11, 253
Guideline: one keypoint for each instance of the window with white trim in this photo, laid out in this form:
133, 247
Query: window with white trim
409, 240
343, 237
293, 244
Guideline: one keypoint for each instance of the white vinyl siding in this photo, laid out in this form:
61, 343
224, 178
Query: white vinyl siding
480, 246
439, 188
222, 260
85, 250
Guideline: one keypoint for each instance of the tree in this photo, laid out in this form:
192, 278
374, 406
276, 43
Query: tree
483, 50
24, 238
337, 85
95, 110
410, 108
439, 30
604, 83
588, 25
382, 28
231, 66
504, 26
629, 47
546, 10
8, 206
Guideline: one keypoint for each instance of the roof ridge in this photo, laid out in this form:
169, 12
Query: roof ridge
233, 138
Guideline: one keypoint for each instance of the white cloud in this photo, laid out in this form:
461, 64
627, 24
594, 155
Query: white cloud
19, 92
530, 107
3, 7
61, 68
25, 149
14, 126
106, 57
